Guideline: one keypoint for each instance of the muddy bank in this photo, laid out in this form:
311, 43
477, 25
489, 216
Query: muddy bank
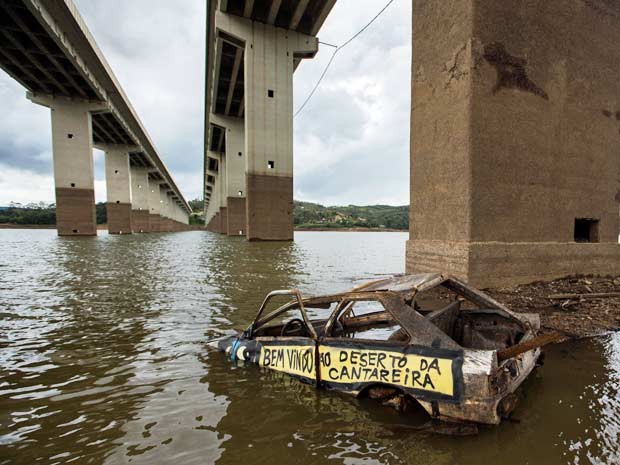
352, 229
577, 315
26, 226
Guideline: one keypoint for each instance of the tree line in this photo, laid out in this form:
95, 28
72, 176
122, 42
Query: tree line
40, 213
306, 215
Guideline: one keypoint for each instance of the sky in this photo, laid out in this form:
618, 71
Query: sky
351, 141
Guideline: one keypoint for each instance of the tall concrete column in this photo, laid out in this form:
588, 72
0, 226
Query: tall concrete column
72, 145
170, 211
234, 173
163, 212
268, 97
140, 213
154, 206
118, 184
223, 218
514, 140
213, 202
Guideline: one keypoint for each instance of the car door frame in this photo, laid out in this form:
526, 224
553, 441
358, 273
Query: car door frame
406, 317
293, 355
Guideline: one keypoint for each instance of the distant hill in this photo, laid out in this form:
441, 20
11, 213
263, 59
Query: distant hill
306, 215
313, 216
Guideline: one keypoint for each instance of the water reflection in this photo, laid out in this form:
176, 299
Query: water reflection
242, 273
103, 360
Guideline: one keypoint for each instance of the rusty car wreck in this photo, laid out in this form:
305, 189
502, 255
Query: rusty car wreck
454, 350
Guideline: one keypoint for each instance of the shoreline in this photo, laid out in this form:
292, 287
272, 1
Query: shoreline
351, 229
201, 228
26, 226
578, 306
590, 306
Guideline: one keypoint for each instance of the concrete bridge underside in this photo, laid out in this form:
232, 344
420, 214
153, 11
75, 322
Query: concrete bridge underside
46, 46
253, 49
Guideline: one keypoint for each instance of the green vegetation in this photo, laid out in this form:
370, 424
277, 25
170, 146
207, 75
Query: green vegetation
307, 215
197, 218
312, 215
197, 205
102, 213
39, 213
33, 213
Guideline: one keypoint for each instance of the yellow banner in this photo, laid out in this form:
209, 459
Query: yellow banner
294, 360
353, 365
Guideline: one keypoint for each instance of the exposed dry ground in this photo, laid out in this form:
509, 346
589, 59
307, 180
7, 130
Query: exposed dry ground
576, 317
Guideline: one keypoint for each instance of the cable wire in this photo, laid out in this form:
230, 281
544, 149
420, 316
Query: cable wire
337, 49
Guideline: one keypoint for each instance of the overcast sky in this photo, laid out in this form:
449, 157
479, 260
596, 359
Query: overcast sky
351, 140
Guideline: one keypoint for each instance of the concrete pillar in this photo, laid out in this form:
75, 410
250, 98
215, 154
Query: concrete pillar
213, 204
118, 185
268, 78
234, 173
72, 146
163, 209
514, 136
154, 207
174, 213
140, 200
169, 211
223, 224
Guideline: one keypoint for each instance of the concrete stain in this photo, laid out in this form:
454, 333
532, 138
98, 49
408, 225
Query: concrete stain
511, 71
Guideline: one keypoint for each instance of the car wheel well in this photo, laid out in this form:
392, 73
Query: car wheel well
390, 396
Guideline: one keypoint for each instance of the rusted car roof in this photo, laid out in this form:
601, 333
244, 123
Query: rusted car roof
408, 283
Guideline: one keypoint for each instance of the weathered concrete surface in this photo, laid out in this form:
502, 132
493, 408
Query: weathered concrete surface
154, 222
269, 207
217, 223
75, 212
140, 221
236, 216
269, 63
515, 129
223, 219
119, 218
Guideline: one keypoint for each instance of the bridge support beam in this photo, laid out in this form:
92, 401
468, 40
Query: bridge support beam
269, 56
154, 206
234, 174
223, 212
118, 184
140, 210
269, 130
72, 145
212, 171
514, 131
164, 209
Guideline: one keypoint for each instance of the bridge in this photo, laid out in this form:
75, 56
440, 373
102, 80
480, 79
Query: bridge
514, 166
46, 46
253, 49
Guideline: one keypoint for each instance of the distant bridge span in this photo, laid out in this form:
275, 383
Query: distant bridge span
46, 46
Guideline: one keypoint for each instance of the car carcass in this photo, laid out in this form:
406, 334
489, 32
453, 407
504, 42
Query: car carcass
425, 338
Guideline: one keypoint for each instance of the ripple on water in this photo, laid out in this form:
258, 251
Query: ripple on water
103, 360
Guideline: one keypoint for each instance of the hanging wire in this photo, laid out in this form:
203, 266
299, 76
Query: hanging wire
337, 49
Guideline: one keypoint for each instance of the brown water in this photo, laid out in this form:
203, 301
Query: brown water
103, 359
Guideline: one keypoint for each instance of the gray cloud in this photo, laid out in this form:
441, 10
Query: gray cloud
351, 142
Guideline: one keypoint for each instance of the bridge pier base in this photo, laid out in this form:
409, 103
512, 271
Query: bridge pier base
269, 68
269, 57
154, 206
118, 183
236, 216
140, 214
73, 164
522, 185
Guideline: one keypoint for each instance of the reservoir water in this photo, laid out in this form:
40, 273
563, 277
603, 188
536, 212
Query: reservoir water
103, 360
